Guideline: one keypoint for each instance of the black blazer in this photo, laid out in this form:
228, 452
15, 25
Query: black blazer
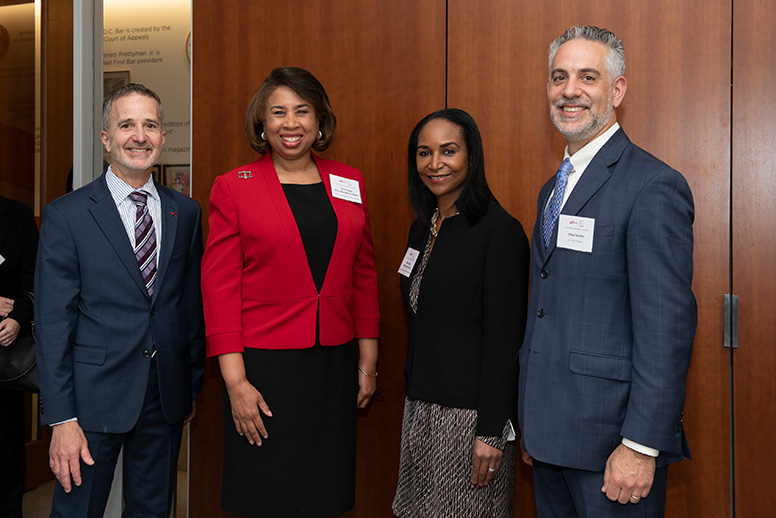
18, 246
461, 345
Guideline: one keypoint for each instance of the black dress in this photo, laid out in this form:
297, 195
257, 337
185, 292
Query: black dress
306, 467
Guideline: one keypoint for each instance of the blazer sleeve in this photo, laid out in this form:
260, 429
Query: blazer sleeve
57, 288
23, 304
222, 267
663, 307
366, 313
505, 296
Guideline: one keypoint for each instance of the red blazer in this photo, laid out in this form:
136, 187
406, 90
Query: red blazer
256, 283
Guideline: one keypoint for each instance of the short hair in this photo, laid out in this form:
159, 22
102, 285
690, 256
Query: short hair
475, 195
129, 89
615, 55
306, 86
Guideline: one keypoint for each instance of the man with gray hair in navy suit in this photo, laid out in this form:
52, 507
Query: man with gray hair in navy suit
611, 316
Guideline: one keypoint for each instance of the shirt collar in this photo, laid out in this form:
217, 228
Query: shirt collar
584, 156
120, 190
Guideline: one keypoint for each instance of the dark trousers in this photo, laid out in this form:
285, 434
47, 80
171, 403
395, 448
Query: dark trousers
11, 452
150, 466
574, 493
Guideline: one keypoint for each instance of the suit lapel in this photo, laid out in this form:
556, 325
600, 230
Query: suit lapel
169, 230
106, 215
596, 174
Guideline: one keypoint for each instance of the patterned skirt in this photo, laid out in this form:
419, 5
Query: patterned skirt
437, 444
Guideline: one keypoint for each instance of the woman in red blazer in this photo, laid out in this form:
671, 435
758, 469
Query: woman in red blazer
290, 291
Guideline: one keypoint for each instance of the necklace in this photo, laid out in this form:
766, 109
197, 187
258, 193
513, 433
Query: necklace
434, 219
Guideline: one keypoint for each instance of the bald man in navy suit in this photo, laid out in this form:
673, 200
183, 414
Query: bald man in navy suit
612, 315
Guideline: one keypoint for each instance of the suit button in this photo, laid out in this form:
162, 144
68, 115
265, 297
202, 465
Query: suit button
544, 274
153, 311
540, 313
146, 354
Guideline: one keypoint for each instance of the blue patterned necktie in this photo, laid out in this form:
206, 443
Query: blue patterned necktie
145, 240
553, 208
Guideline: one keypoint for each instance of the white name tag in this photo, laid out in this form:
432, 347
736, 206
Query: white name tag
575, 233
408, 263
345, 188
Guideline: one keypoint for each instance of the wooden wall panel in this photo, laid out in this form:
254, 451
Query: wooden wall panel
754, 219
382, 64
56, 98
677, 107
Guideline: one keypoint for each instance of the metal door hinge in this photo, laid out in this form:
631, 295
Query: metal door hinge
731, 321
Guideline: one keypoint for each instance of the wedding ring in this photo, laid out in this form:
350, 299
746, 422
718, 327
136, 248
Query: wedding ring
634, 497
491, 470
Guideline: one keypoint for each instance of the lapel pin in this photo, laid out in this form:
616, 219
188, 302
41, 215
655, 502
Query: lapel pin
244, 175
172, 214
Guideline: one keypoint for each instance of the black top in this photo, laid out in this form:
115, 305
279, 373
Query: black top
18, 247
463, 341
317, 225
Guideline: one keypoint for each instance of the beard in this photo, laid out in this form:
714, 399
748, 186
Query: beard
596, 122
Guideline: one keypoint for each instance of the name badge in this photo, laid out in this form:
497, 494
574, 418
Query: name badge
575, 233
408, 263
345, 188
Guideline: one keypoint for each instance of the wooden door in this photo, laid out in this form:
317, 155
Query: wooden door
382, 64
754, 249
677, 107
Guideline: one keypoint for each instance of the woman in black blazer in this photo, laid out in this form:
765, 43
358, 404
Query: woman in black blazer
18, 246
464, 282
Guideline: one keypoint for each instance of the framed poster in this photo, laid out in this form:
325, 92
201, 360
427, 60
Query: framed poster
178, 178
112, 81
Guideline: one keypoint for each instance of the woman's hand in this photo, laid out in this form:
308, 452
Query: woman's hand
486, 462
367, 370
6, 306
246, 402
366, 387
9, 330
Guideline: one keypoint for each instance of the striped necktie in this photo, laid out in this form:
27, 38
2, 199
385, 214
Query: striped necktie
145, 240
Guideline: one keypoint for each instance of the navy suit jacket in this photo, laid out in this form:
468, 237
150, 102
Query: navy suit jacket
95, 323
609, 333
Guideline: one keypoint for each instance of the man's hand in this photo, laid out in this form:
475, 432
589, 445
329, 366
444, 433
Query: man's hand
68, 448
526, 457
628, 476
